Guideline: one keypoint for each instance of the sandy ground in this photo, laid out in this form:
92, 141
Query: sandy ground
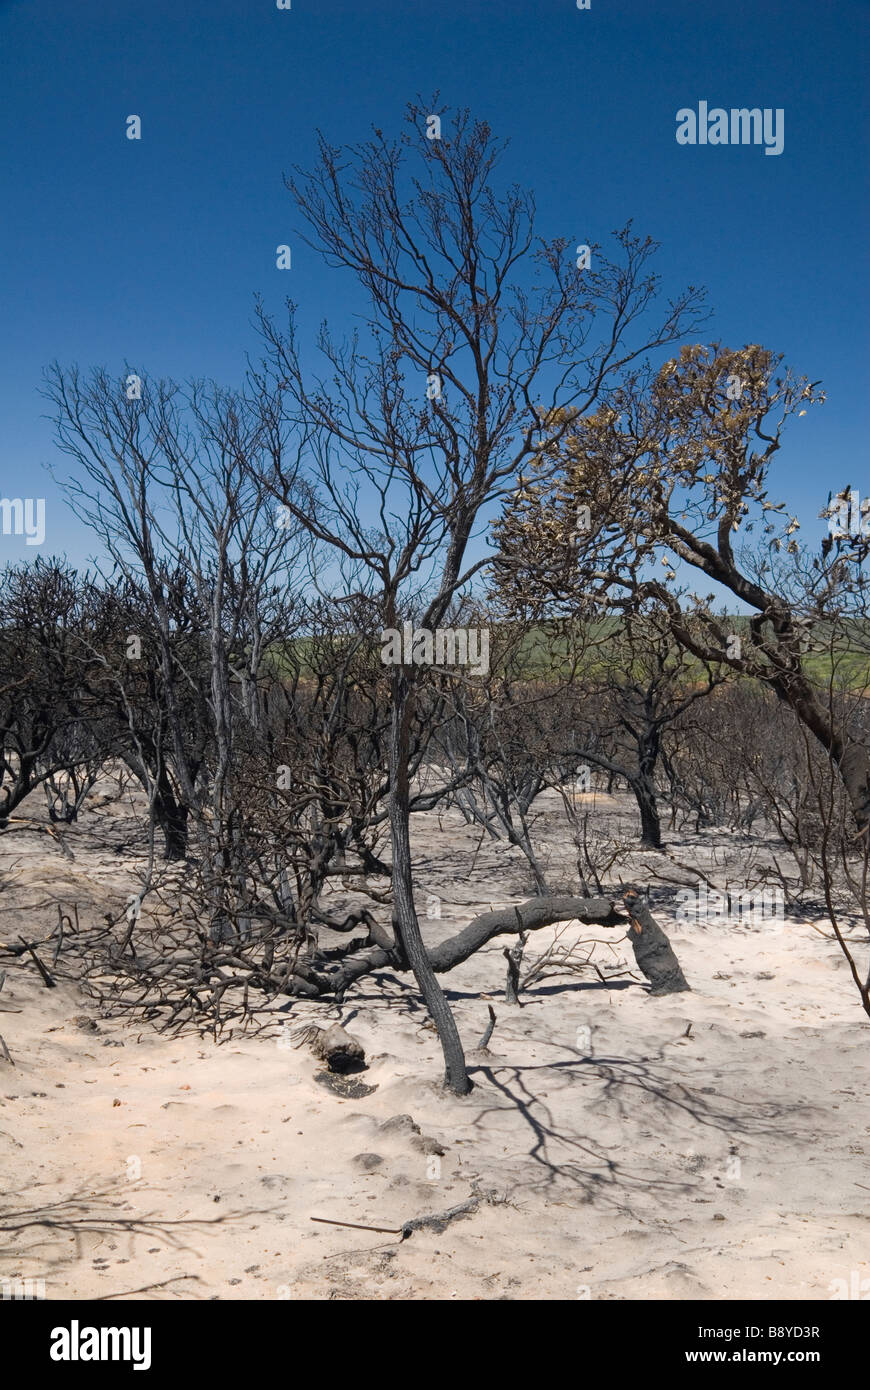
619, 1153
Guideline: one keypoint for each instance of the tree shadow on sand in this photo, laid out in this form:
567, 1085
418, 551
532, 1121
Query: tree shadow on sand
599, 1171
35, 1229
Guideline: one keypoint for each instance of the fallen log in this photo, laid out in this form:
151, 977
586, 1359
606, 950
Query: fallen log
530, 916
652, 950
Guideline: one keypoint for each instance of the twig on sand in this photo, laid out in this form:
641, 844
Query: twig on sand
357, 1226
146, 1288
46, 978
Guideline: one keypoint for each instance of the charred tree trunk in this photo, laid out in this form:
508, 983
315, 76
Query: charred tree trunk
650, 824
406, 923
172, 819
652, 949
170, 814
644, 788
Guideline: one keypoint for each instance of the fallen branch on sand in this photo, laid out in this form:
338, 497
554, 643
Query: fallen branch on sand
435, 1221
180, 975
652, 950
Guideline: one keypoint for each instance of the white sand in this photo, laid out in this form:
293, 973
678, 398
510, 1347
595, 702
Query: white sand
725, 1164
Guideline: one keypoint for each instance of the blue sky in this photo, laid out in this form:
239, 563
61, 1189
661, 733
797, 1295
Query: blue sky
151, 252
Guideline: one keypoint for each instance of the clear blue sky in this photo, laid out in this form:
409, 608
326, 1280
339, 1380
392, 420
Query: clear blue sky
152, 251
